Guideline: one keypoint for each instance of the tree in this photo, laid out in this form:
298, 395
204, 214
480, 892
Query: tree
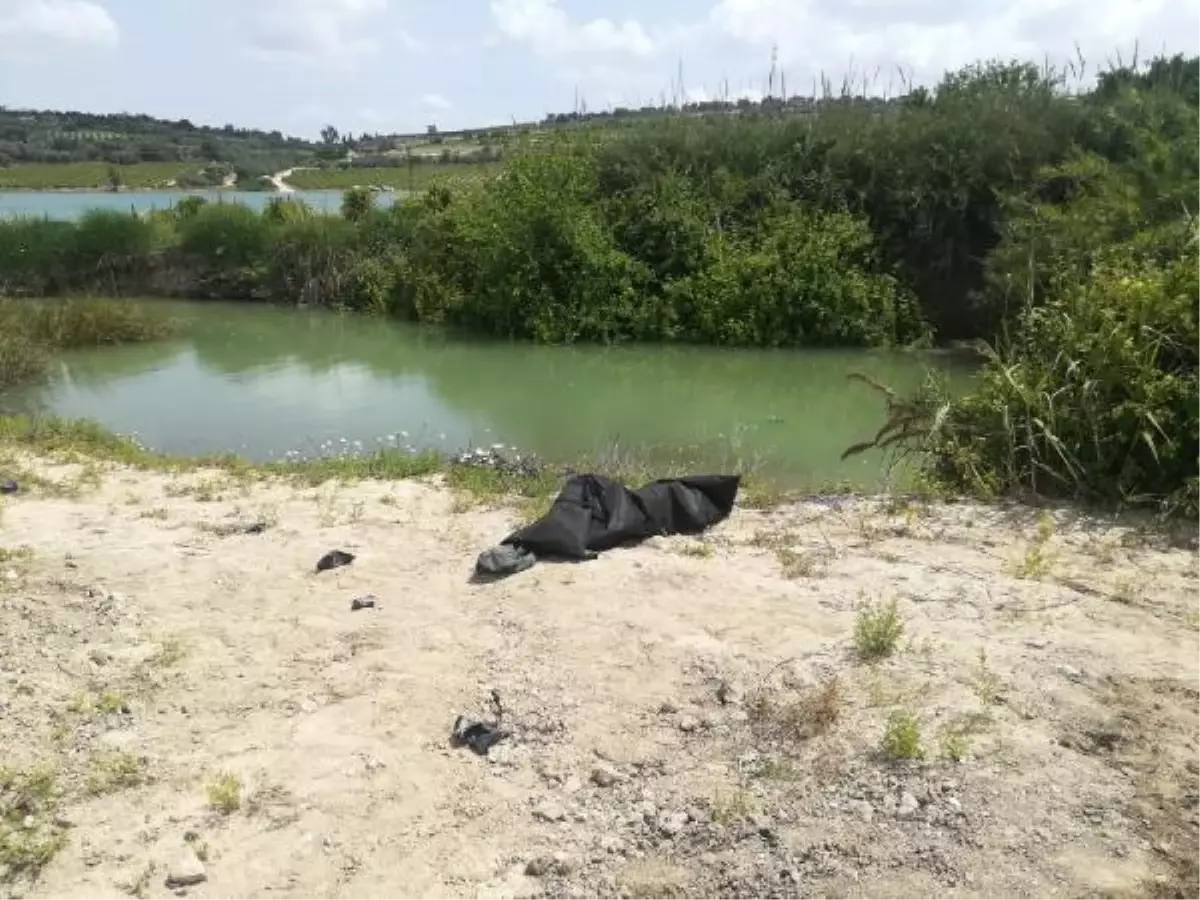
431, 129
329, 134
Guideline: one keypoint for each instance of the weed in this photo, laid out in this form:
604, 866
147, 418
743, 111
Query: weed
225, 793
877, 630
730, 807
902, 736
984, 682
171, 651
1125, 590
797, 719
113, 771
159, 512
698, 549
955, 744
30, 835
111, 702
24, 553
797, 565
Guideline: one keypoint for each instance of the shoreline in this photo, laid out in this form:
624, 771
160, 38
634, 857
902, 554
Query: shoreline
690, 716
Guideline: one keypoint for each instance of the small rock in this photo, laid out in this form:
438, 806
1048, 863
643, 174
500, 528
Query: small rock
1070, 672
954, 803
648, 811
673, 823
688, 724
667, 708
760, 822
28, 823
10, 575
549, 811
99, 657
863, 810
1037, 643
186, 870
367, 601
572, 785
696, 814
606, 776
908, 806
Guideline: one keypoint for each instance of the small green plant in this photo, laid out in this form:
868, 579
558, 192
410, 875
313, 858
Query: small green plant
902, 736
159, 512
225, 793
877, 630
24, 553
730, 807
1036, 562
697, 549
984, 682
113, 771
111, 702
955, 744
30, 834
797, 565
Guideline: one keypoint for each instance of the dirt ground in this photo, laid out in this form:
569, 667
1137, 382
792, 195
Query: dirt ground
189, 707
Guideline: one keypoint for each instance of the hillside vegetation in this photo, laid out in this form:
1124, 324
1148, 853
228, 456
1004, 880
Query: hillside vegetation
1059, 226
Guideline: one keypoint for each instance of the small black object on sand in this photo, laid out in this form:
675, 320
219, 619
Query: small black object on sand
367, 601
334, 559
8, 486
480, 736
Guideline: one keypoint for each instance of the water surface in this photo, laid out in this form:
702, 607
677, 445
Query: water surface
73, 204
262, 381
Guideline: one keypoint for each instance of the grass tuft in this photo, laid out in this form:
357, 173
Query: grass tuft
877, 631
902, 737
225, 793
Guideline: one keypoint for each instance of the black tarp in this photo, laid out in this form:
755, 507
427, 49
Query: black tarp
593, 514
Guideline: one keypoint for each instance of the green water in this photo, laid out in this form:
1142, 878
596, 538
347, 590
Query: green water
264, 381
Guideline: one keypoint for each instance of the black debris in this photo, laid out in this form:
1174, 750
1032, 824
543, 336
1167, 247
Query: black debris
479, 736
334, 559
8, 486
593, 514
365, 602
503, 560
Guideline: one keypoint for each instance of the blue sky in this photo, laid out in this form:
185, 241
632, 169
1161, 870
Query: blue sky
398, 65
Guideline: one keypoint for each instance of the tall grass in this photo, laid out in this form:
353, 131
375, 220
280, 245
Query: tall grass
31, 330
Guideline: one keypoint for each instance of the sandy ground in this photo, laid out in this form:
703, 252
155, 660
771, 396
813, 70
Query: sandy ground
689, 717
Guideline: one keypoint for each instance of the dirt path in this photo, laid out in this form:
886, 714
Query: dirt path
279, 179
690, 717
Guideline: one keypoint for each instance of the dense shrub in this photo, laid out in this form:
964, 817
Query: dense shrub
1094, 397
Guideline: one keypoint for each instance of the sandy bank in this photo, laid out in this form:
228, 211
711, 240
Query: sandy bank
690, 717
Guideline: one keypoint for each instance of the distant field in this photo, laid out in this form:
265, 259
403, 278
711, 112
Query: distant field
47, 176
399, 177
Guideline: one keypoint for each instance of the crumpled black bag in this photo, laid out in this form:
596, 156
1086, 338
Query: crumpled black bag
593, 514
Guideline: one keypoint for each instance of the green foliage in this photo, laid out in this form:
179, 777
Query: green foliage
877, 630
30, 330
357, 204
902, 737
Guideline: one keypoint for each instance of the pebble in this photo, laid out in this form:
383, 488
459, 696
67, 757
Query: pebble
99, 657
1070, 672
667, 708
186, 870
908, 806
696, 814
549, 811
688, 724
954, 804
863, 810
672, 823
606, 776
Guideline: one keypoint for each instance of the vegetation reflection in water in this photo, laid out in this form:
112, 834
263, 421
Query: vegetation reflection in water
271, 383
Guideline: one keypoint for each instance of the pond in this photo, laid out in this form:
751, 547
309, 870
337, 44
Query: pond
73, 204
263, 381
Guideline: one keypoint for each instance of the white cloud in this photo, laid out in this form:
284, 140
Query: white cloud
550, 31
434, 102
925, 38
32, 27
329, 32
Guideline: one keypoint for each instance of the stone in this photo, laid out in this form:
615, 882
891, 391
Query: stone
672, 823
862, 809
688, 724
908, 806
696, 814
549, 811
99, 657
667, 708
186, 870
954, 803
572, 784
606, 776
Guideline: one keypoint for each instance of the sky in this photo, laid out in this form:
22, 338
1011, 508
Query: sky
400, 65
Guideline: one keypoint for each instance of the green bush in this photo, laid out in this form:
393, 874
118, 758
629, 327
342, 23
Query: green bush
225, 235
36, 255
1095, 397
802, 279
